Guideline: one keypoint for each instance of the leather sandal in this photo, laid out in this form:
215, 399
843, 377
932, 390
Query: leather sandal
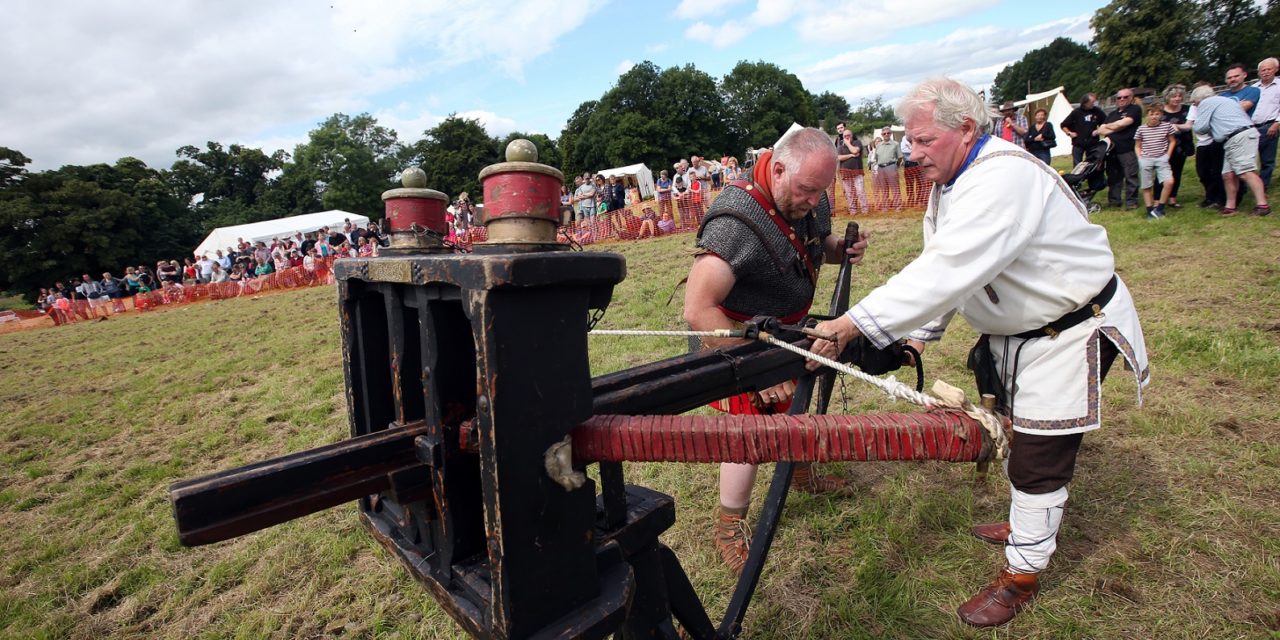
805, 478
733, 540
1262, 210
1227, 212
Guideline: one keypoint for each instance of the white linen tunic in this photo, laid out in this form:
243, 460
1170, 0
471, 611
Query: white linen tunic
1010, 247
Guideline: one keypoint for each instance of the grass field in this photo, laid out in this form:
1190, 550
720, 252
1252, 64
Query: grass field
1173, 530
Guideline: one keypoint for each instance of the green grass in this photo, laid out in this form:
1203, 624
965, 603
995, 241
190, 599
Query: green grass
13, 301
1173, 529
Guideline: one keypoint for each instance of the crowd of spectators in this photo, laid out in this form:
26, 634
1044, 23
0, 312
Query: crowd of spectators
89, 298
598, 207
1231, 133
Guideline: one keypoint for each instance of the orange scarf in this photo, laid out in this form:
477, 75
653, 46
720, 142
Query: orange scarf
762, 176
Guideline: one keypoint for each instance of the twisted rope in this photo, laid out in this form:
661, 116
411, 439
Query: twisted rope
890, 385
714, 333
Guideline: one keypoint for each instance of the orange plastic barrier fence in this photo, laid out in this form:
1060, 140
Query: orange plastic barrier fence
173, 295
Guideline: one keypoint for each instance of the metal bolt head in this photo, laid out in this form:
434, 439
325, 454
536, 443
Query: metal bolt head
414, 178
521, 150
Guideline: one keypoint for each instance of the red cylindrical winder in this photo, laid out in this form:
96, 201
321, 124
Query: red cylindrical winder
522, 200
415, 215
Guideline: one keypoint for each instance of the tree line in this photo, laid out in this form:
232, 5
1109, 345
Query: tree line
1148, 43
656, 116
102, 217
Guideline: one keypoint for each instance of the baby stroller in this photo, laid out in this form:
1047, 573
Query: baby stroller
1089, 175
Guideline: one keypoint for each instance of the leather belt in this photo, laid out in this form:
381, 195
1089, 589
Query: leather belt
1237, 132
1093, 309
887, 164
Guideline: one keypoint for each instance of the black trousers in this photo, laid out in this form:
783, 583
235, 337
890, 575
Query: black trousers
1176, 163
1042, 464
1122, 179
1209, 170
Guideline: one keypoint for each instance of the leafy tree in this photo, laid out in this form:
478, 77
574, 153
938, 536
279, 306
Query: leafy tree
548, 150
571, 135
1233, 31
693, 113
1144, 43
452, 154
1062, 63
352, 160
763, 100
294, 192
650, 115
12, 166
56, 225
603, 142
831, 109
225, 186
871, 114
236, 173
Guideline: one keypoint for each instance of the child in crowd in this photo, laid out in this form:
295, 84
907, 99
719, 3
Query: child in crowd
648, 223
1155, 142
666, 224
63, 307
584, 235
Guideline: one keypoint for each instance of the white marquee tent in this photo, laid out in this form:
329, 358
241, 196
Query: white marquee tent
1058, 107
224, 237
637, 175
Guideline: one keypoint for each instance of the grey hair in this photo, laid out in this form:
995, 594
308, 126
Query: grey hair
1271, 60
953, 102
1201, 92
1174, 90
794, 147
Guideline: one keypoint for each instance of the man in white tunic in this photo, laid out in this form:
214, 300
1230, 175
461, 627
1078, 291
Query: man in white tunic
1009, 246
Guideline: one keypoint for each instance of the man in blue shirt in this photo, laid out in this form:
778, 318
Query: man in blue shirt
1223, 118
1237, 90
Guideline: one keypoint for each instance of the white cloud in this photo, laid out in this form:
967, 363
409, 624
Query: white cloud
873, 18
624, 66
691, 9
96, 81
826, 22
768, 13
722, 36
410, 123
657, 47
971, 55
497, 126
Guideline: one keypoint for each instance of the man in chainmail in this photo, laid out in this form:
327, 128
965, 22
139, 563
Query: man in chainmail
759, 250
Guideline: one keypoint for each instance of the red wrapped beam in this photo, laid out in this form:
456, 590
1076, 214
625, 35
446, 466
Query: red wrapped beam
933, 435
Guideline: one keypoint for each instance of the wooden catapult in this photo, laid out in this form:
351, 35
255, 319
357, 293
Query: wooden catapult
473, 414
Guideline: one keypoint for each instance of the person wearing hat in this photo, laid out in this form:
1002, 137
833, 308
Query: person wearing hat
1013, 126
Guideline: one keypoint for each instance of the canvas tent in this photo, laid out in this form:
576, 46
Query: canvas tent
634, 175
264, 231
1058, 107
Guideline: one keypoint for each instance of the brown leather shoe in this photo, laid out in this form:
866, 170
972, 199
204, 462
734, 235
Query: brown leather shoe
733, 540
805, 478
993, 532
998, 602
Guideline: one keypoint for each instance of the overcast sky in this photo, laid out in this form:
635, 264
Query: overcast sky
87, 82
